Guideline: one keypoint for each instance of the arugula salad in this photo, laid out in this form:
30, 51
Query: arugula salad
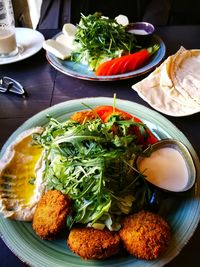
93, 163
106, 46
99, 39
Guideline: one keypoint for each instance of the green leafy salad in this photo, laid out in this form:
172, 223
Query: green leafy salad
93, 163
99, 38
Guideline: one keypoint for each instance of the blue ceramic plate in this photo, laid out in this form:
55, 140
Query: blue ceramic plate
81, 71
183, 214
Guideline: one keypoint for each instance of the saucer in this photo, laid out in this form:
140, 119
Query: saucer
29, 42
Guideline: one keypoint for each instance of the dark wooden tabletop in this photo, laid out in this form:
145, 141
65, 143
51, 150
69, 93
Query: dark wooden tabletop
46, 87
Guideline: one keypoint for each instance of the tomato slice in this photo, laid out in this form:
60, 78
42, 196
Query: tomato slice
112, 70
117, 66
135, 61
140, 59
110, 67
105, 112
130, 64
124, 64
102, 68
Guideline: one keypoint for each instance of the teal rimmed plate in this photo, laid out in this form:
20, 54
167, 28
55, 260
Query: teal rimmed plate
80, 71
182, 211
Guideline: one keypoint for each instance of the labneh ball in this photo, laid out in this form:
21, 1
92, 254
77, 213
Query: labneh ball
145, 235
50, 214
90, 243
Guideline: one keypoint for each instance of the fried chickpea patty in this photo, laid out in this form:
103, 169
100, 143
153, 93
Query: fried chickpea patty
145, 235
90, 243
50, 214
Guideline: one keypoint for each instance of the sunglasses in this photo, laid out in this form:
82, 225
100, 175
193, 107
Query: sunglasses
9, 85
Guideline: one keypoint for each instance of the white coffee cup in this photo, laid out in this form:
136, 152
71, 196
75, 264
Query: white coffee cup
8, 44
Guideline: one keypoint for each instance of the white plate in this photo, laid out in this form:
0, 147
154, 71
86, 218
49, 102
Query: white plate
29, 42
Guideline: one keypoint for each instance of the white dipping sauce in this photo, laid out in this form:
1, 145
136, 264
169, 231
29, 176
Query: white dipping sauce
137, 31
165, 168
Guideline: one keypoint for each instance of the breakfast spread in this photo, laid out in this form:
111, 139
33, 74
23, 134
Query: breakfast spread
79, 175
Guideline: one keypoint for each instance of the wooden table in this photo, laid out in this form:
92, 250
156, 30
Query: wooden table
46, 87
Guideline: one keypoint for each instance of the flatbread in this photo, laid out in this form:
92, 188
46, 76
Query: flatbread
168, 85
150, 90
185, 74
174, 87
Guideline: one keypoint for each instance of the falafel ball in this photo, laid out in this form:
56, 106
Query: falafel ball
145, 235
50, 214
90, 243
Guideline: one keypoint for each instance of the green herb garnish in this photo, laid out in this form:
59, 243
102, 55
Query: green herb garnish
94, 165
99, 38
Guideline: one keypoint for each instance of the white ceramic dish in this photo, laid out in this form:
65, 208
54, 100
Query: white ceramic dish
29, 42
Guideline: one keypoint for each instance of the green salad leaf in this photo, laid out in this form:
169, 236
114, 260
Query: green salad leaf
99, 38
94, 164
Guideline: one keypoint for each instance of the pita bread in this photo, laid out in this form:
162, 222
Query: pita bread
167, 84
185, 74
160, 90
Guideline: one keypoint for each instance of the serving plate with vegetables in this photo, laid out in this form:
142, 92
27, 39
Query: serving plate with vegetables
82, 51
181, 211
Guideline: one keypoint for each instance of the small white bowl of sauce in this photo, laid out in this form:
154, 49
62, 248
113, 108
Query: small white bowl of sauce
169, 166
